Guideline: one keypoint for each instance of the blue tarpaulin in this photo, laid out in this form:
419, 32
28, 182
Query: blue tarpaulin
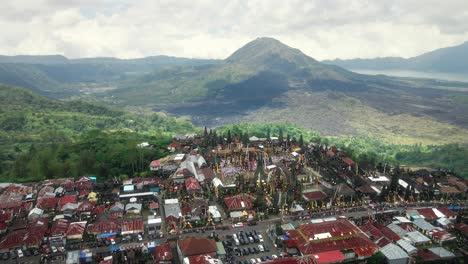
455, 207
114, 248
107, 235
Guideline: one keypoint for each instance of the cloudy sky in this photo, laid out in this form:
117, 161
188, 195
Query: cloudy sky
323, 29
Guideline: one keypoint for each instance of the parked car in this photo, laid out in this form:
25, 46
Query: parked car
140, 238
266, 247
253, 261
112, 241
20, 253
259, 260
260, 238
54, 249
260, 247
5, 255
240, 224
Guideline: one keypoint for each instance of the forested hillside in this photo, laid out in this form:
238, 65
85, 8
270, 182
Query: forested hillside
33, 128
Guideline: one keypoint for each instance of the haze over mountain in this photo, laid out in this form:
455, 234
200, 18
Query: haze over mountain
448, 60
56, 75
266, 80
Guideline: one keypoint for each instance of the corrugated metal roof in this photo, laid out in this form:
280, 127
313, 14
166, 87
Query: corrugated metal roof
423, 224
417, 237
392, 251
442, 252
407, 246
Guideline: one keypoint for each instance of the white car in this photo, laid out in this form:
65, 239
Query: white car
112, 241
54, 249
260, 238
140, 238
259, 260
260, 247
274, 256
20, 253
252, 261
240, 224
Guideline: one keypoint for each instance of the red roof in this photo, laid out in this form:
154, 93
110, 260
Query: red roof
428, 213
372, 230
132, 226
99, 210
462, 228
347, 161
171, 218
344, 236
197, 245
238, 202
163, 252
84, 185
427, 255
36, 232
203, 259
174, 145
191, 184
154, 205
5, 215
383, 242
76, 229
447, 212
44, 190
13, 239
186, 209
155, 163
84, 193
11, 205
47, 203
387, 232
67, 199
86, 206
294, 260
60, 227
103, 227
329, 257
315, 195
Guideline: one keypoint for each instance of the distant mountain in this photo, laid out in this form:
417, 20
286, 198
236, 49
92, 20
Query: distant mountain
447, 60
266, 80
34, 59
56, 75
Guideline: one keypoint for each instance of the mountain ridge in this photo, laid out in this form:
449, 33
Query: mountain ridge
453, 59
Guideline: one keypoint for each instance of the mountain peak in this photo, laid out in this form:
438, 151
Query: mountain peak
264, 49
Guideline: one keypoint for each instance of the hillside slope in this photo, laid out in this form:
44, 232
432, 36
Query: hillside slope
58, 76
266, 81
448, 60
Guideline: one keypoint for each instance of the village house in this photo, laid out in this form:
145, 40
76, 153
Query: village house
194, 246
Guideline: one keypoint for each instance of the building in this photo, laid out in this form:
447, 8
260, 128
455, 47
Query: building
332, 235
195, 246
394, 254
163, 254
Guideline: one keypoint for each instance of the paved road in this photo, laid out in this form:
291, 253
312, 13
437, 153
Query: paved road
262, 226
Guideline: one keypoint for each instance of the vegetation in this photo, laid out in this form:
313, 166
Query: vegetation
33, 127
453, 157
105, 154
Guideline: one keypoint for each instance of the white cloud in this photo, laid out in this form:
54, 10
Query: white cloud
215, 28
